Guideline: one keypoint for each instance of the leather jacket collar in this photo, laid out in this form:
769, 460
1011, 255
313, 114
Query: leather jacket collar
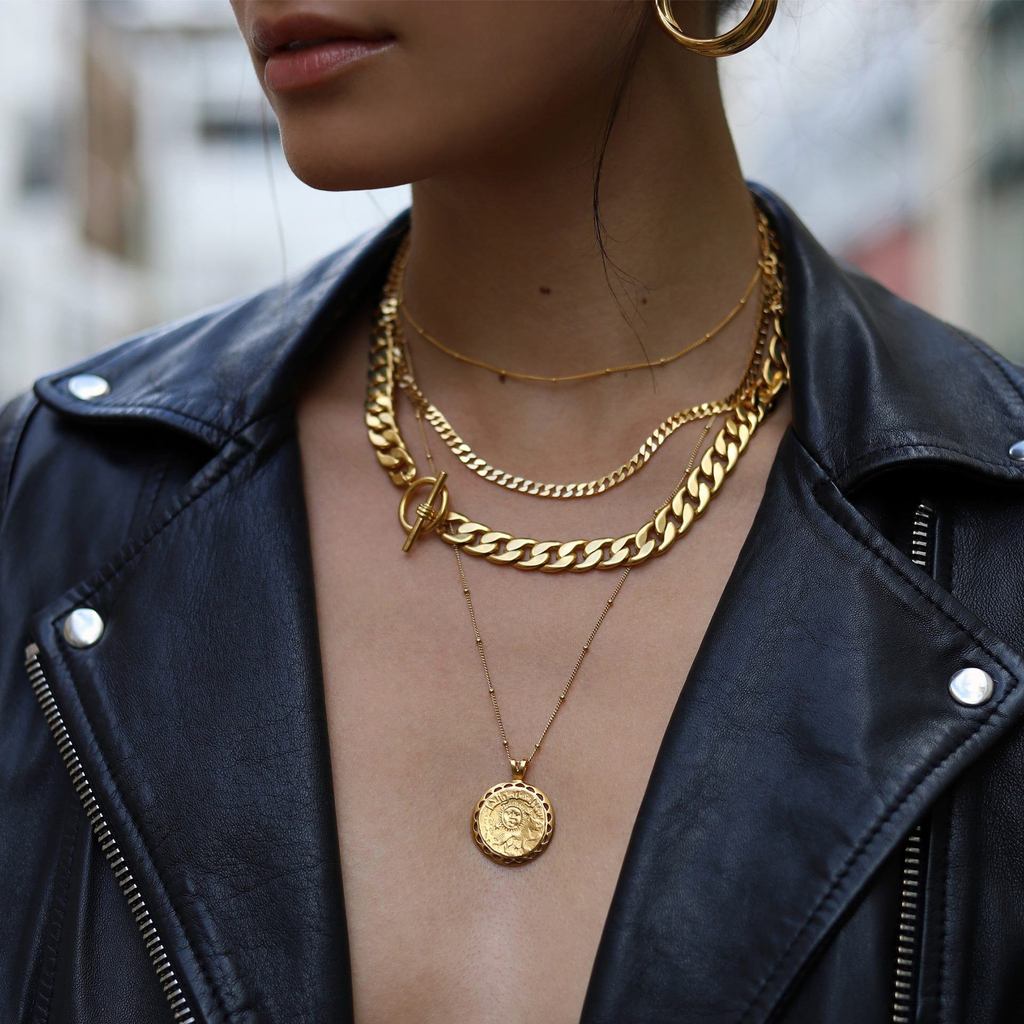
814, 726
874, 380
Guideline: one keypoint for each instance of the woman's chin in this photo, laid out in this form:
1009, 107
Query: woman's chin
319, 171
347, 164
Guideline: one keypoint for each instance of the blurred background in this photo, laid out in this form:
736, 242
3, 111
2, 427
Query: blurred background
141, 177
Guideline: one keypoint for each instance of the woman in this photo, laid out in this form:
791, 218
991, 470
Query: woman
251, 761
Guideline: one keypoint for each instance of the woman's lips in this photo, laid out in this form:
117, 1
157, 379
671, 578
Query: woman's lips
314, 63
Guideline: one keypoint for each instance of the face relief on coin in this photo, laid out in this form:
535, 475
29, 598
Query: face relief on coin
513, 822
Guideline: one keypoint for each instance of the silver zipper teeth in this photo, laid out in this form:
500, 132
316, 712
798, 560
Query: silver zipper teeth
906, 943
910, 880
108, 844
920, 534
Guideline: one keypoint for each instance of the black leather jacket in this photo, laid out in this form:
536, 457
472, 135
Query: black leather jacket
820, 801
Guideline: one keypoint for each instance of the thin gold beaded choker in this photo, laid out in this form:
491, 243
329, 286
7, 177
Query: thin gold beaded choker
403, 255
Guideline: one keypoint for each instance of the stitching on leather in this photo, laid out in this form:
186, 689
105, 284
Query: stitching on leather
990, 356
158, 485
973, 456
945, 916
866, 839
331, 281
951, 809
97, 411
861, 848
156, 407
42, 999
94, 747
135, 548
864, 842
234, 462
900, 570
145, 499
49, 383
325, 287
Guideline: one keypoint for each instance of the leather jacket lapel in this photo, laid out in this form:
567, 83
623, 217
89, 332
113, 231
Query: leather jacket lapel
199, 719
804, 743
876, 380
807, 739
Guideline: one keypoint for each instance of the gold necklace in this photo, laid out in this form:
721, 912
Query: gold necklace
406, 380
513, 822
653, 538
403, 255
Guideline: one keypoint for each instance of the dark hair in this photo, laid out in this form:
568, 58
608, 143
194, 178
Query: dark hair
711, 13
632, 51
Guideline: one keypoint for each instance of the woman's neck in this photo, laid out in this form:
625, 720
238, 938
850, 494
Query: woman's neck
504, 263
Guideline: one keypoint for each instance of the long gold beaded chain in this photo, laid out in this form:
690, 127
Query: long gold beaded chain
514, 822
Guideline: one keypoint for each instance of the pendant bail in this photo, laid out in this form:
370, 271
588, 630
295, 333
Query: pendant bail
518, 768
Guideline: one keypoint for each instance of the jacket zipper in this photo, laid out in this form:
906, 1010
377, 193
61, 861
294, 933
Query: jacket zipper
908, 939
906, 943
108, 844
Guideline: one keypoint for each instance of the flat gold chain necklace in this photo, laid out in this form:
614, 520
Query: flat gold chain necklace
406, 380
514, 822
653, 538
464, 452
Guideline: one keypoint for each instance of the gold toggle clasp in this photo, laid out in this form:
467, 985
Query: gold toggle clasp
426, 514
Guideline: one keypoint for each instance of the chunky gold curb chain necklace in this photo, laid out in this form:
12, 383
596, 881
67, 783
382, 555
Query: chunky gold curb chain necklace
513, 822
653, 538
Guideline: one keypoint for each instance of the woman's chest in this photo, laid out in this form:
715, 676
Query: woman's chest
438, 931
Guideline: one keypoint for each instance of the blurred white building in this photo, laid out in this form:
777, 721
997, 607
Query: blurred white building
141, 177
896, 129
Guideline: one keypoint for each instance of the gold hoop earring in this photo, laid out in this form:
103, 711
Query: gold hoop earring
745, 34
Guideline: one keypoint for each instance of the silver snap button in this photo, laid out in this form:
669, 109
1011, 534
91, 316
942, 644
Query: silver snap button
83, 627
1017, 451
971, 686
88, 386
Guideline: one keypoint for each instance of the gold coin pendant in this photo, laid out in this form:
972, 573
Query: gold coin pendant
513, 822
